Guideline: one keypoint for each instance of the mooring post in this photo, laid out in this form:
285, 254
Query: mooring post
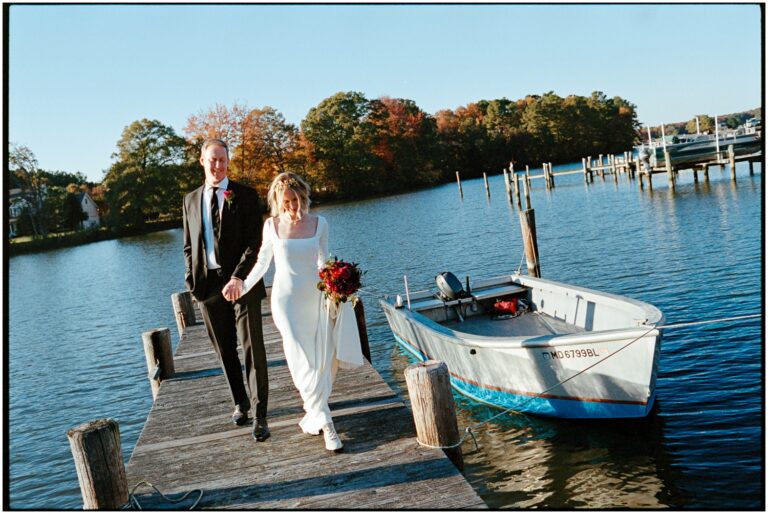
434, 413
584, 167
506, 182
99, 462
615, 170
487, 189
458, 180
528, 230
640, 179
551, 176
183, 309
705, 169
670, 171
547, 185
732, 161
362, 328
157, 351
517, 190
751, 167
526, 187
602, 167
528, 176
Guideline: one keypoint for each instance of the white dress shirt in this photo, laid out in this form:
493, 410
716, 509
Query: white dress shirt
210, 254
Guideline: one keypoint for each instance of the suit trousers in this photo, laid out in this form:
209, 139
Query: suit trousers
227, 322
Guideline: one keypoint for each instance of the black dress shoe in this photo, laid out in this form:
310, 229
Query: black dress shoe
240, 416
260, 430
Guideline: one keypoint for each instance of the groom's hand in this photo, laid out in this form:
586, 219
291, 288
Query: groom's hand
233, 290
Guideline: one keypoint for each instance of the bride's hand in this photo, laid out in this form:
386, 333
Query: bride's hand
233, 290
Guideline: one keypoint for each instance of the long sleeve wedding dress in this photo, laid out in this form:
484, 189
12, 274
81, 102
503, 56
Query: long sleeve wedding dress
315, 337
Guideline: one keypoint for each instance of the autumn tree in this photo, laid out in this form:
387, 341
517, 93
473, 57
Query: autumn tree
261, 143
151, 174
706, 125
405, 142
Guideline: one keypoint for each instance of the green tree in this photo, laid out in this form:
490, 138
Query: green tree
149, 177
339, 135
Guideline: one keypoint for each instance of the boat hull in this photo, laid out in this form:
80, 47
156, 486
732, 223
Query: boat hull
610, 374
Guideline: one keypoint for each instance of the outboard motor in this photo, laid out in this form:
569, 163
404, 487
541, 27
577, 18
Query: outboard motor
449, 286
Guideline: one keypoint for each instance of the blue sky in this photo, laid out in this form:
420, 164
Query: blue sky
79, 74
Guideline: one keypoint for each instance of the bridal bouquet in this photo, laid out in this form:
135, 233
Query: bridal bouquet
340, 280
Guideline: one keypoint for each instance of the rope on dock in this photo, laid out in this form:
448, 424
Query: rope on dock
133, 502
468, 431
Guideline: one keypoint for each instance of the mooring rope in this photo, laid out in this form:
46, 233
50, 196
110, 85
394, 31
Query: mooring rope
133, 502
468, 430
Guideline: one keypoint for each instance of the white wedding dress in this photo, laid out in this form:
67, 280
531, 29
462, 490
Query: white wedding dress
316, 337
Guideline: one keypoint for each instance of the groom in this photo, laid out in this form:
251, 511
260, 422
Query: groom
222, 237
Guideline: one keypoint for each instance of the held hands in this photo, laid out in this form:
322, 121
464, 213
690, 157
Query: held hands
233, 290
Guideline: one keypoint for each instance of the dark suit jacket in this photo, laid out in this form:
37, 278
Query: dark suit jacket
239, 238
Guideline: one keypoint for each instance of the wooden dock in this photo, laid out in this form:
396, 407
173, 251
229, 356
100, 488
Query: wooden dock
189, 443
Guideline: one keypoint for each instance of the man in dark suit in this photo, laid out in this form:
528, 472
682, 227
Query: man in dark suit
222, 237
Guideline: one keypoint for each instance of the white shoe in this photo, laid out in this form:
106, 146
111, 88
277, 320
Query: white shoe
332, 441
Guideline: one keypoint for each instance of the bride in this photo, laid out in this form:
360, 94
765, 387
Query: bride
314, 340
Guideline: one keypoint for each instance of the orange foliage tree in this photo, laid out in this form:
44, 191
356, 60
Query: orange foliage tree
261, 143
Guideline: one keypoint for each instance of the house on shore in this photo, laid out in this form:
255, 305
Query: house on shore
90, 209
17, 203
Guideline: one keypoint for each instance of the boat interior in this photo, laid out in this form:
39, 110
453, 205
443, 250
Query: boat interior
516, 306
493, 309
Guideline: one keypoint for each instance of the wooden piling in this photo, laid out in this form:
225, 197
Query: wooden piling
528, 176
434, 413
526, 188
551, 176
506, 181
695, 175
602, 166
732, 161
458, 180
547, 184
517, 190
362, 329
614, 169
670, 170
159, 357
584, 167
183, 309
99, 462
528, 229
705, 169
751, 167
640, 180
487, 189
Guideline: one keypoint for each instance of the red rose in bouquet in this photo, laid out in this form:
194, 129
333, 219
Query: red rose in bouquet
340, 280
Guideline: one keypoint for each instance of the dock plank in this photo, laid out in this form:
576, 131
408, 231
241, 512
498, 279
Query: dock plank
189, 443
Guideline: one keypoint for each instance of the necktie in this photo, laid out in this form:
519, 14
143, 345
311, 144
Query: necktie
215, 221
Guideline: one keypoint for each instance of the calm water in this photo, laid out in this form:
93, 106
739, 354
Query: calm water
76, 318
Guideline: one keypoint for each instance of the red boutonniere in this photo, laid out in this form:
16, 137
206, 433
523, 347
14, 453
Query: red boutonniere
229, 196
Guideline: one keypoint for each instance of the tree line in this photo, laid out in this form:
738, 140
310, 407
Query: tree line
348, 147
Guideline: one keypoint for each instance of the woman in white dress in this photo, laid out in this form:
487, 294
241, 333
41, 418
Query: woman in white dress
298, 242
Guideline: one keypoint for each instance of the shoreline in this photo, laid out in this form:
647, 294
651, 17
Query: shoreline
86, 237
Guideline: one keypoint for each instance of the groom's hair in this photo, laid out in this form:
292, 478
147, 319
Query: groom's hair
213, 142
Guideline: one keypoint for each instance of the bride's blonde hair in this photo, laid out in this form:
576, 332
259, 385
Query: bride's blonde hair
282, 183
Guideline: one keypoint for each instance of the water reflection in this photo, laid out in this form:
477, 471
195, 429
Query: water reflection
532, 462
